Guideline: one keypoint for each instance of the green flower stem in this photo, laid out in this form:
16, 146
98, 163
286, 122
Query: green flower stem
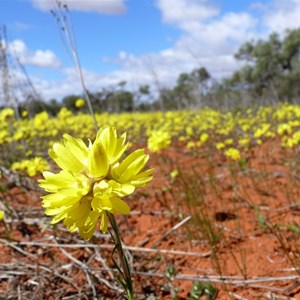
125, 272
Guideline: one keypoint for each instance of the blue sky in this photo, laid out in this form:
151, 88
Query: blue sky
140, 41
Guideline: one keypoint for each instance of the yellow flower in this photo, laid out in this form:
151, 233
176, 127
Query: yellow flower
159, 140
31, 166
233, 153
79, 103
24, 113
6, 113
284, 129
189, 131
2, 214
204, 137
244, 141
40, 119
174, 173
228, 141
191, 144
92, 181
220, 146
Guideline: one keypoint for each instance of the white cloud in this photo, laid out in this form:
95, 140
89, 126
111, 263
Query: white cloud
184, 13
39, 58
20, 26
209, 39
99, 6
122, 55
280, 15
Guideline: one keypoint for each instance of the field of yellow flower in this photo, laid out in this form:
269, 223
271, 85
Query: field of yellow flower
231, 134
220, 217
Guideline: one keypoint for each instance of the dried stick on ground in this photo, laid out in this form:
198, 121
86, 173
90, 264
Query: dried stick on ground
85, 267
109, 247
171, 230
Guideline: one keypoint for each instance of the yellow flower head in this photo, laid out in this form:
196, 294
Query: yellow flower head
191, 145
159, 140
40, 119
204, 137
92, 180
6, 113
233, 153
284, 129
174, 173
79, 103
31, 166
24, 113
220, 146
2, 214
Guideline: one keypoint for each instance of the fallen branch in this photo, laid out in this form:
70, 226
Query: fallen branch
88, 269
109, 247
171, 230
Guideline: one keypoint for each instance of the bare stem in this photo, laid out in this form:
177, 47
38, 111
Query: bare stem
125, 272
69, 36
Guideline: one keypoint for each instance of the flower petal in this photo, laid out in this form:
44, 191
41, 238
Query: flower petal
97, 161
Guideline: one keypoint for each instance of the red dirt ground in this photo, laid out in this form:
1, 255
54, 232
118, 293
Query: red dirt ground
239, 233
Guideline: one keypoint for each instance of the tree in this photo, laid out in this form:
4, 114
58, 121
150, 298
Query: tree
142, 95
182, 92
191, 88
122, 101
167, 98
272, 67
200, 78
53, 107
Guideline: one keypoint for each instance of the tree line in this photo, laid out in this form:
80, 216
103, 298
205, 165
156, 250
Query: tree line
270, 74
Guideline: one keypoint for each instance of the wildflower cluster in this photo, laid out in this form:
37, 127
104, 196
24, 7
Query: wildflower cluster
233, 153
205, 128
159, 140
93, 180
31, 166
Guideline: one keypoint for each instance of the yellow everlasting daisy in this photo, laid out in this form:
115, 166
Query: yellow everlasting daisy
92, 181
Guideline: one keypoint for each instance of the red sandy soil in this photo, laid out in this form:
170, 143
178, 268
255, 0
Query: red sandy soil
254, 211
